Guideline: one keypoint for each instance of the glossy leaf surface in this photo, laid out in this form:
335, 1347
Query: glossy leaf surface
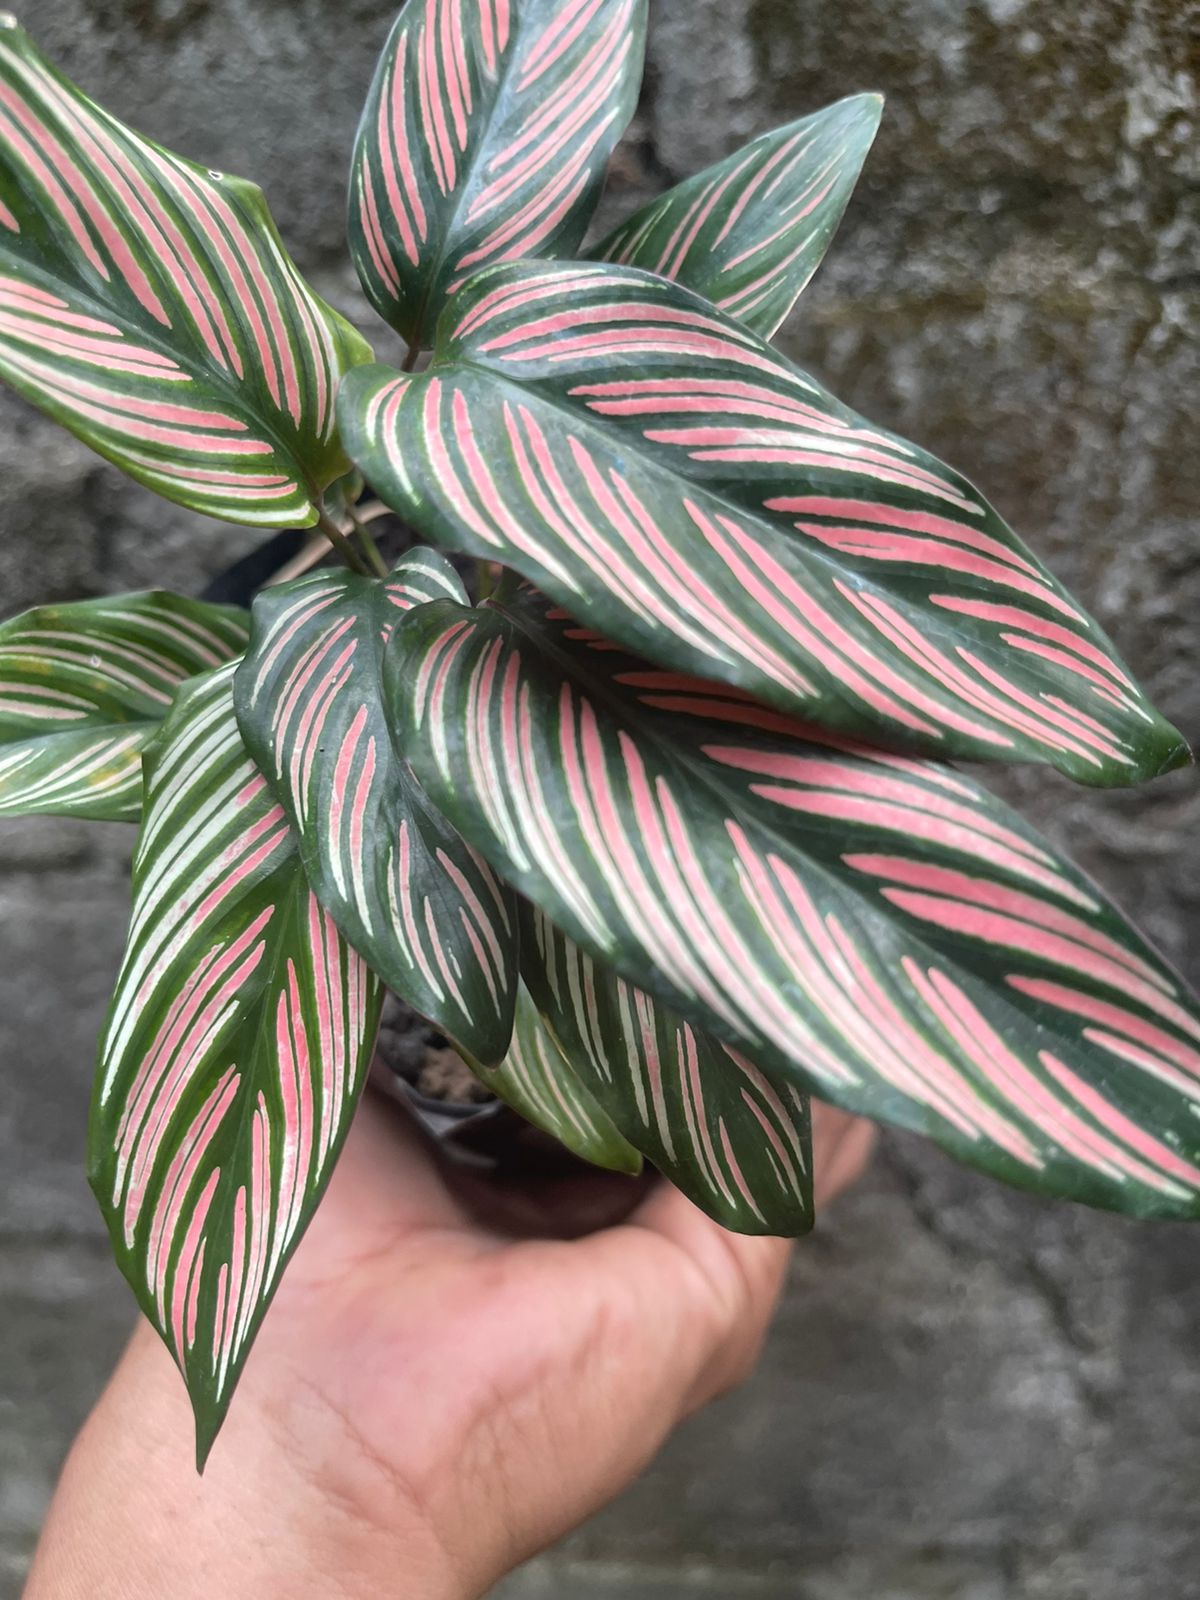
737, 1145
536, 1080
485, 138
749, 232
148, 305
84, 686
410, 895
656, 467
885, 932
230, 1063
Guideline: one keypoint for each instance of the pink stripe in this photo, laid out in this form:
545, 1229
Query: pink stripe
186, 1288
396, 157
1014, 617
998, 897
791, 606
412, 931
902, 633
558, 37
993, 928
368, 215
433, 112
693, 1097
454, 68
1122, 1127
1112, 1016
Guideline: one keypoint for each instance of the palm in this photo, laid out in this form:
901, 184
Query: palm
419, 1360
548, 1371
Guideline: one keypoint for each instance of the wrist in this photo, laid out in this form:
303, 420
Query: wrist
292, 1504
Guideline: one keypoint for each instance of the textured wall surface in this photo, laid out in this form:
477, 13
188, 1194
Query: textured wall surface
969, 1394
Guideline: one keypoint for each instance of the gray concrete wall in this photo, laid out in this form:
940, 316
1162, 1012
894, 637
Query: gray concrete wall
970, 1394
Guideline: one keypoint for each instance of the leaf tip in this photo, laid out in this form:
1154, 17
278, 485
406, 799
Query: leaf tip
207, 1429
1178, 756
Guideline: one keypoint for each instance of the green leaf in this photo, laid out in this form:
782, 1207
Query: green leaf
738, 1146
148, 305
231, 1060
485, 138
659, 470
536, 1079
749, 232
884, 933
409, 894
84, 686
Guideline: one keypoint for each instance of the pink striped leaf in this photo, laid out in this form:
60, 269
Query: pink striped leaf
405, 889
749, 232
738, 1145
656, 467
232, 1056
84, 686
485, 138
535, 1079
149, 306
880, 932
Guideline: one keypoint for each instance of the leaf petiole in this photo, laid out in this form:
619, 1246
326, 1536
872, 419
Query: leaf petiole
340, 542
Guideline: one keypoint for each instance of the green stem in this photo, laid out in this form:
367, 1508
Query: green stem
366, 539
483, 580
374, 554
340, 542
506, 589
411, 357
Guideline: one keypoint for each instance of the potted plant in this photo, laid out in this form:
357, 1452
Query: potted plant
659, 820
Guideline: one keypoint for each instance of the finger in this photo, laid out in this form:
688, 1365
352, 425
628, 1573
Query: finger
842, 1146
732, 1284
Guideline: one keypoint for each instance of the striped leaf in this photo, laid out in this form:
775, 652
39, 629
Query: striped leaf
749, 232
423, 908
84, 686
149, 306
485, 138
738, 1146
883, 932
536, 1080
237, 1041
660, 470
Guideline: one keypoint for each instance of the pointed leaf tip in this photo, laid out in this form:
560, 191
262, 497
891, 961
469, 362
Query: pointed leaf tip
232, 1056
749, 232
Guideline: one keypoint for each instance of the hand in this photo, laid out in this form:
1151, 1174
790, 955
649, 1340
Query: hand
428, 1404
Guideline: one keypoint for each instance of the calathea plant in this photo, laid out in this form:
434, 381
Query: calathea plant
661, 829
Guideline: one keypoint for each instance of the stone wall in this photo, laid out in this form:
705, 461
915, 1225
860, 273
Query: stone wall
969, 1393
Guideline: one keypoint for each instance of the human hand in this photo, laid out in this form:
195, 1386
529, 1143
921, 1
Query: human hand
428, 1403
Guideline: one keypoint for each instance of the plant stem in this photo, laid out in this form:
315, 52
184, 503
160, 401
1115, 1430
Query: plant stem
367, 541
484, 583
411, 357
340, 542
506, 587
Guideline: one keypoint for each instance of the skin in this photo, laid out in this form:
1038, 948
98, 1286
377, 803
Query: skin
430, 1402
